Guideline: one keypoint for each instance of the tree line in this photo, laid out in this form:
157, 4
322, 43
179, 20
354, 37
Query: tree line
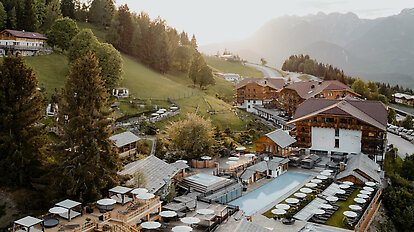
370, 90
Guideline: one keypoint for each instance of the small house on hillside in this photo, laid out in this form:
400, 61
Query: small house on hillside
22, 42
125, 142
277, 142
120, 92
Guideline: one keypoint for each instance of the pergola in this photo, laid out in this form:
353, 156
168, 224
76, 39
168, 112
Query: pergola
122, 191
28, 222
69, 205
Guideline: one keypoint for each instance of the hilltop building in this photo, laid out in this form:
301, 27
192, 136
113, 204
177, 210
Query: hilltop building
23, 43
294, 94
403, 98
252, 92
341, 126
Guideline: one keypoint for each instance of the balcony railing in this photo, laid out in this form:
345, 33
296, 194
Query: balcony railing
21, 47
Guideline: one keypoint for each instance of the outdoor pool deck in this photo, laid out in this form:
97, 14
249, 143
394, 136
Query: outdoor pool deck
275, 190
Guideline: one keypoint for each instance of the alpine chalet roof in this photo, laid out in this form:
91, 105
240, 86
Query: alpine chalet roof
124, 138
281, 138
275, 83
370, 112
362, 163
308, 89
403, 95
26, 34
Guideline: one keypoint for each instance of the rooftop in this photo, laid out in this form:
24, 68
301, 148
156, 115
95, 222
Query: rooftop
124, 138
26, 34
362, 163
281, 138
274, 83
308, 89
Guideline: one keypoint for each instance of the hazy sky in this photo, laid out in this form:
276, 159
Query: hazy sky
228, 20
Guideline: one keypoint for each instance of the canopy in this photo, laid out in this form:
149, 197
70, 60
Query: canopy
306, 190
206, 157
145, 196
292, 200
278, 211
319, 211
348, 183
240, 149
282, 206
68, 204
300, 195
360, 200
311, 185
355, 207
205, 211
326, 206
363, 196
120, 190
182, 229
190, 220
322, 177
231, 162
168, 214
106, 202
370, 183
350, 214
234, 158
368, 189
250, 155
150, 225
139, 191
344, 186
316, 181
58, 210
331, 198
28, 221
365, 192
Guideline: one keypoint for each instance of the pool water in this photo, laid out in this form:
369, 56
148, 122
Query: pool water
259, 198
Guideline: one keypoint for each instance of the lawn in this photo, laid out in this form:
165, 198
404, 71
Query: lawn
392, 162
232, 67
337, 218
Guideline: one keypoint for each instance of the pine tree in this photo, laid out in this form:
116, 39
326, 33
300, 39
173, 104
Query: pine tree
52, 14
29, 17
3, 17
68, 8
87, 158
21, 137
12, 19
197, 63
194, 42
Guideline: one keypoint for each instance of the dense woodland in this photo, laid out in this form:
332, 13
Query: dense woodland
371, 90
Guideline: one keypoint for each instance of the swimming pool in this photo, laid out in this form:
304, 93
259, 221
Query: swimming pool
263, 196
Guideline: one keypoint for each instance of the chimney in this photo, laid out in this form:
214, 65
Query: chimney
320, 82
312, 86
341, 166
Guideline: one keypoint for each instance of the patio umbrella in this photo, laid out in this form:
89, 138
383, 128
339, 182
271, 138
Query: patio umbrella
145, 196
326, 206
370, 183
322, 177
150, 225
181, 229
348, 183
106, 202
319, 211
58, 210
365, 192
360, 200
190, 220
282, 206
205, 211
206, 157
355, 207
325, 173
139, 191
240, 149
300, 195
168, 214
340, 191
311, 185
368, 189
316, 181
328, 170
331, 198
278, 211
350, 214
234, 158
363, 196
292, 200
344, 186
231, 162
183, 161
250, 155
306, 190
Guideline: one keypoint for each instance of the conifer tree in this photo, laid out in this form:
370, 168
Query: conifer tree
194, 42
29, 17
21, 138
3, 17
68, 8
88, 161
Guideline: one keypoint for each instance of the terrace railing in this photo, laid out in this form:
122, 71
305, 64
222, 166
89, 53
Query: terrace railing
86, 227
368, 209
148, 205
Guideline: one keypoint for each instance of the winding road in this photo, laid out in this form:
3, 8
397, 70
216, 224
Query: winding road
268, 72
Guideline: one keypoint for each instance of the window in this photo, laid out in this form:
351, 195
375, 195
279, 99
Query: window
344, 120
254, 101
330, 120
336, 132
315, 119
248, 106
336, 143
371, 134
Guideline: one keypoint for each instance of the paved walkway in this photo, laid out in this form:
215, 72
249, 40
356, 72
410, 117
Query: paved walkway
404, 147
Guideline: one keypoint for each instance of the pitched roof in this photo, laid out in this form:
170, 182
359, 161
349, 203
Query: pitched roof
281, 138
274, 163
180, 165
370, 112
155, 171
275, 83
259, 167
241, 226
308, 89
124, 138
403, 95
362, 163
26, 34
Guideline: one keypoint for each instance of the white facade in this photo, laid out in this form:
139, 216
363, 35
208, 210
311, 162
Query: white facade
248, 105
324, 139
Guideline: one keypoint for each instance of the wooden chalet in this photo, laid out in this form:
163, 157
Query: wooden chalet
22, 42
278, 143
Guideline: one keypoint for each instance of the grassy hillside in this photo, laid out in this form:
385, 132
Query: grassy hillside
232, 67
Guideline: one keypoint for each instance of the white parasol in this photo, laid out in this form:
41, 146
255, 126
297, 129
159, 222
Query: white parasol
311, 185
278, 211
106, 202
181, 229
234, 158
350, 214
306, 190
58, 210
316, 181
355, 207
150, 225
370, 183
190, 220
360, 200
205, 211
145, 196
139, 191
168, 214
282, 206
300, 195
292, 200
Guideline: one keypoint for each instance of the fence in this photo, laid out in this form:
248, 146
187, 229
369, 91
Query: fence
369, 208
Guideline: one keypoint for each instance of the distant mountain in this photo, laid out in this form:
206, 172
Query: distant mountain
377, 49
